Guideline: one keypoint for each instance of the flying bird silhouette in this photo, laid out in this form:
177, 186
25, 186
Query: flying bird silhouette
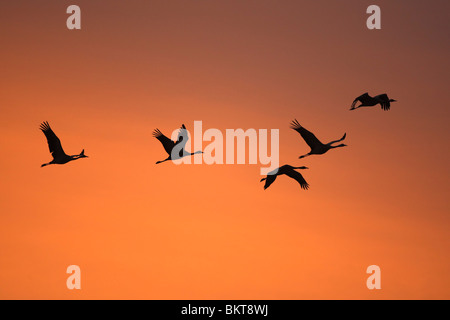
54, 145
368, 101
175, 149
290, 172
316, 146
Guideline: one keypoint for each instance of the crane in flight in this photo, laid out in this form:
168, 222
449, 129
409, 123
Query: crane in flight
368, 101
316, 146
290, 172
175, 149
55, 147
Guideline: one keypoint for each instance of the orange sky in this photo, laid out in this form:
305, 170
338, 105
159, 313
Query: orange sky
144, 231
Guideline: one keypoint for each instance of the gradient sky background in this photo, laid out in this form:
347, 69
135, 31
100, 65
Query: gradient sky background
144, 231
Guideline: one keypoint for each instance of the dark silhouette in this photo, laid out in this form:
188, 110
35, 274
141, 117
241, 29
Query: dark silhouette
368, 101
316, 146
54, 144
174, 149
290, 172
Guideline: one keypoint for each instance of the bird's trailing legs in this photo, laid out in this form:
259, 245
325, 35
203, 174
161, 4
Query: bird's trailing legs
335, 141
353, 107
359, 99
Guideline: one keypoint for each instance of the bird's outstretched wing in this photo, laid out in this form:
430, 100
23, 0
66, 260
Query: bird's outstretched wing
54, 144
269, 180
362, 98
309, 137
384, 101
183, 136
166, 142
297, 176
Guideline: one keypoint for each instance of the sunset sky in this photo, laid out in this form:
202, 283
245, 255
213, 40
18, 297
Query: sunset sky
139, 230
